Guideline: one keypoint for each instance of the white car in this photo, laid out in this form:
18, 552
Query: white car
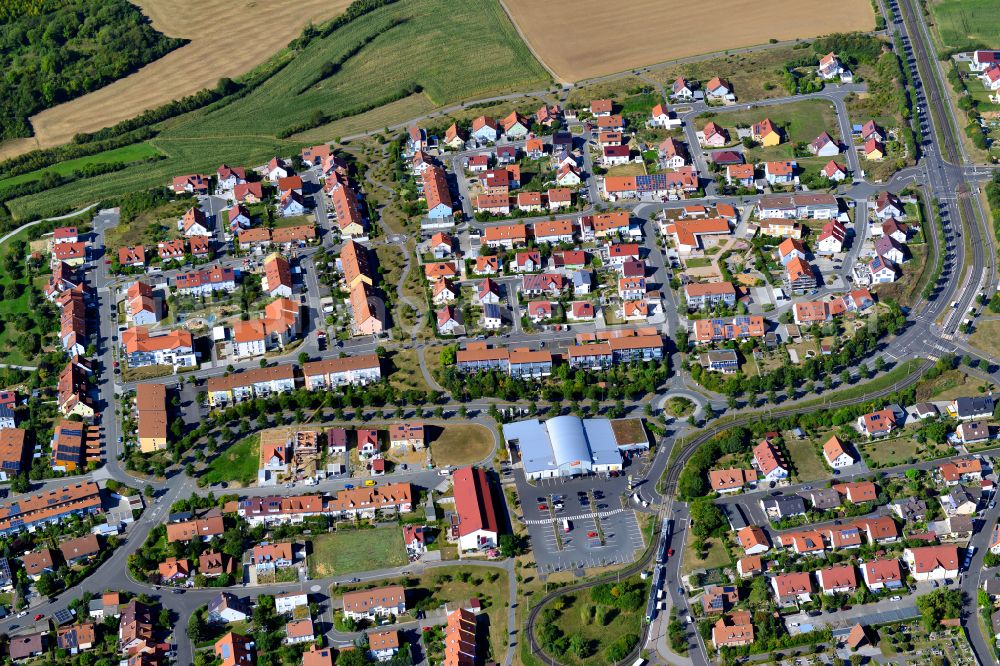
896, 598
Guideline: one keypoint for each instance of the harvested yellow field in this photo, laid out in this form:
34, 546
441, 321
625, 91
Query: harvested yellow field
644, 32
227, 39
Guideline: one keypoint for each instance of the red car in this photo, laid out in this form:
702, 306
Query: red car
592, 535
670, 553
542, 507
38, 617
426, 629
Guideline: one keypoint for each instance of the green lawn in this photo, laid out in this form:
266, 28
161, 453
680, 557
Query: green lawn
799, 121
886, 453
966, 24
717, 555
986, 337
293, 221
123, 155
641, 103
422, 44
808, 464
698, 262
238, 463
349, 550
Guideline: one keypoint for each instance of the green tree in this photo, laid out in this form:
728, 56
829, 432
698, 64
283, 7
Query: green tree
938, 605
760, 594
20, 483
197, 627
46, 584
509, 546
706, 518
352, 658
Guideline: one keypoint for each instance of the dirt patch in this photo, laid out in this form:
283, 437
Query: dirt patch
461, 444
647, 31
227, 39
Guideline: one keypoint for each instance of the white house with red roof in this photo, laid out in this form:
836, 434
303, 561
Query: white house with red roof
228, 177
681, 89
995, 541
276, 169
581, 311
769, 461
932, 562
879, 574
485, 129
415, 539
447, 321
831, 238
663, 118
753, 540
836, 453
791, 588
838, 580
829, 66
877, 424
65, 235
194, 183
833, 171
718, 88
474, 524
824, 146
194, 223
991, 77
983, 60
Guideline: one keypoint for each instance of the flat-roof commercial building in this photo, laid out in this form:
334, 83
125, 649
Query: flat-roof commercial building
564, 446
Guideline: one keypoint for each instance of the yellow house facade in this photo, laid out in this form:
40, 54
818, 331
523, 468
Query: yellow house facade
151, 404
766, 133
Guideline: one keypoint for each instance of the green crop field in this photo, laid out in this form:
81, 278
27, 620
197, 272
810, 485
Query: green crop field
123, 155
448, 50
967, 24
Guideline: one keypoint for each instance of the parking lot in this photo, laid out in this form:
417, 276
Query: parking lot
593, 504
587, 529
